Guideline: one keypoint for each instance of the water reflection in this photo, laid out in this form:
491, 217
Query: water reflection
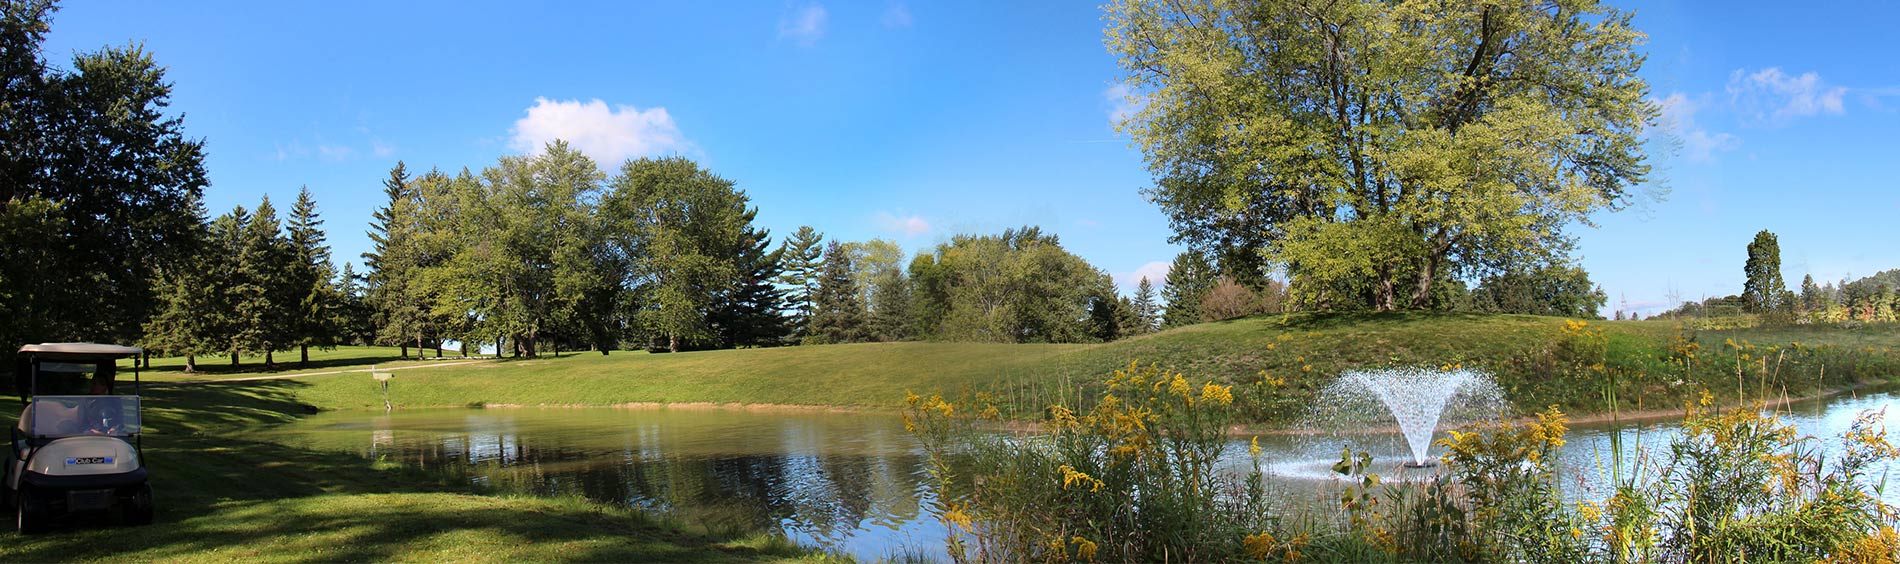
856, 483
840, 481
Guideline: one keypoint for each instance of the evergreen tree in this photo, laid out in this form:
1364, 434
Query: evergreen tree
1105, 316
1811, 296
838, 316
1763, 290
1189, 279
184, 319
266, 293
800, 262
891, 306
752, 313
312, 275
391, 263
355, 321
1147, 313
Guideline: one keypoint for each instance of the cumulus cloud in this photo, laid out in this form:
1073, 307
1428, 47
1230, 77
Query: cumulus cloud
804, 25
1774, 97
1698, 144
1122, 103
609, 135
896, 16
1155, 272
909, 226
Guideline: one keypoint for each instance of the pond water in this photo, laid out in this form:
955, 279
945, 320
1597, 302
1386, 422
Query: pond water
853, 483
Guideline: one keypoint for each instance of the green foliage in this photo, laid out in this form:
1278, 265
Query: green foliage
1020, 286
318, 318
1763, 291
1377, 145
751, 314
1147, 313
679, 226
1189, 279
800, 258
98, 187
838, 313
1553, 290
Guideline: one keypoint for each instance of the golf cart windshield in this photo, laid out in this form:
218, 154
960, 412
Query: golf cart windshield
73, 416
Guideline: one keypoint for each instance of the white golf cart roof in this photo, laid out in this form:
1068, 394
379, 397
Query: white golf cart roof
79, 351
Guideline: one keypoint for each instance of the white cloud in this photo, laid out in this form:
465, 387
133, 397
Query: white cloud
379, 148
897, 16
335, 152
609, 135
804, 25
910, 226
1773, 97
1122, 103
1698, 144
1155, 272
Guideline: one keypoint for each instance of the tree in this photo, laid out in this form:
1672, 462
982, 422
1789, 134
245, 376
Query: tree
266, 293
1811, 296
1020, 286
311, 275
184, 321
1365, 145
1189, 279
838, 314
877, 266
392, 263
354, 319
752, 314
799, 259
678, 224
1147, 312
929, 295
1763, 290
99, 188
1562, 291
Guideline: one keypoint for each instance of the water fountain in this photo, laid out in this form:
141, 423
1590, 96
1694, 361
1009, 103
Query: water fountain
1418, 400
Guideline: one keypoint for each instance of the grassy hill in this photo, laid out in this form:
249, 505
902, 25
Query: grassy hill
1539, 360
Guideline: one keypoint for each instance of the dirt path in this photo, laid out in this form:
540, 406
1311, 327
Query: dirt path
303, 374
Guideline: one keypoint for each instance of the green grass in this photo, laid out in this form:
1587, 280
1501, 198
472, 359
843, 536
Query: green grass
224, 496
218, 367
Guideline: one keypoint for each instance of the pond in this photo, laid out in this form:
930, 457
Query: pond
847, 482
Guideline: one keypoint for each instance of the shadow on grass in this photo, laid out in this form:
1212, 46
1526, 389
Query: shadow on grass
214, 368
223, 494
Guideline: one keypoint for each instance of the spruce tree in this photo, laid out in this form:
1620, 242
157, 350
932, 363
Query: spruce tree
310, 275
1189, 279
390, 262
1147, 312
752, 313
268, 292
799, 259
837, 314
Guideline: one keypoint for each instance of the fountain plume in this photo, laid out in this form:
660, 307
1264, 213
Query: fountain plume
1418, 401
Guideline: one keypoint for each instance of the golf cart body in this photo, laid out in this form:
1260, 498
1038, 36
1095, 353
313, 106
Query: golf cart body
76, 449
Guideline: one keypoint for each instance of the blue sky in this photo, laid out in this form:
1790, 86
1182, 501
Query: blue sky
914, 121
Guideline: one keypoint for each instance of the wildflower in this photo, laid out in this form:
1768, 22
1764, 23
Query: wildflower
1179, 386
1084, 549
1071, 477
1215, 393
954, 516
1589, 511
1253, 448
1257, 545
1307, 368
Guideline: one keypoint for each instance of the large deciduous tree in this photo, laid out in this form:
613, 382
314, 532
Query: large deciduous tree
679, 225
1367, 147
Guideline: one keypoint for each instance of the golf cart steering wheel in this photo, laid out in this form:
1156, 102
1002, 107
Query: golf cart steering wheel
103, 418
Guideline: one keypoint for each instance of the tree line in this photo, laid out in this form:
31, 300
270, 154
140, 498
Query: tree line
1871, 299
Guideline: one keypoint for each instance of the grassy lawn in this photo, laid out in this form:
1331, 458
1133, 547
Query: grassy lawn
223, 496
172, 369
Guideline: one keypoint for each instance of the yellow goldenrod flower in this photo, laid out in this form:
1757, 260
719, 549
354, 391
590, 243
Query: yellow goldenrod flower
1258, 545
1084, 549
1215, 393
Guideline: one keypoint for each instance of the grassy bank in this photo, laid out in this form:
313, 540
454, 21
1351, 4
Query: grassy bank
1277, 364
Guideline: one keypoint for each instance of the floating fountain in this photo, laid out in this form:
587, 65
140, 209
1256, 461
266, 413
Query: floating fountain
1418, 400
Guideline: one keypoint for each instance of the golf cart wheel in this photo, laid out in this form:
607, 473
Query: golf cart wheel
31, 511
135, 505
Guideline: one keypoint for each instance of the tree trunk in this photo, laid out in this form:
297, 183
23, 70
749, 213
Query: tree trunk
234, 358
269, 361
145, 359
672, 342
191, 363
1387, 294
405, 350
438, 349
419, 346
498, 343
305, 351
1422, 290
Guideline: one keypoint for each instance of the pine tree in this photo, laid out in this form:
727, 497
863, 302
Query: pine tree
1763, 290
752, 314
890, 306
354, 322
1189, 279
1811, 296
837, 314
1147, 313
799, 258
390, 263
183, 322
267, 293
311, 275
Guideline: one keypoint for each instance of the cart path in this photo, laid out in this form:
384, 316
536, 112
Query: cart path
303, 374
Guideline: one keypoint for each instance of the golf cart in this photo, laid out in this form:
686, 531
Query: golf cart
76, 449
